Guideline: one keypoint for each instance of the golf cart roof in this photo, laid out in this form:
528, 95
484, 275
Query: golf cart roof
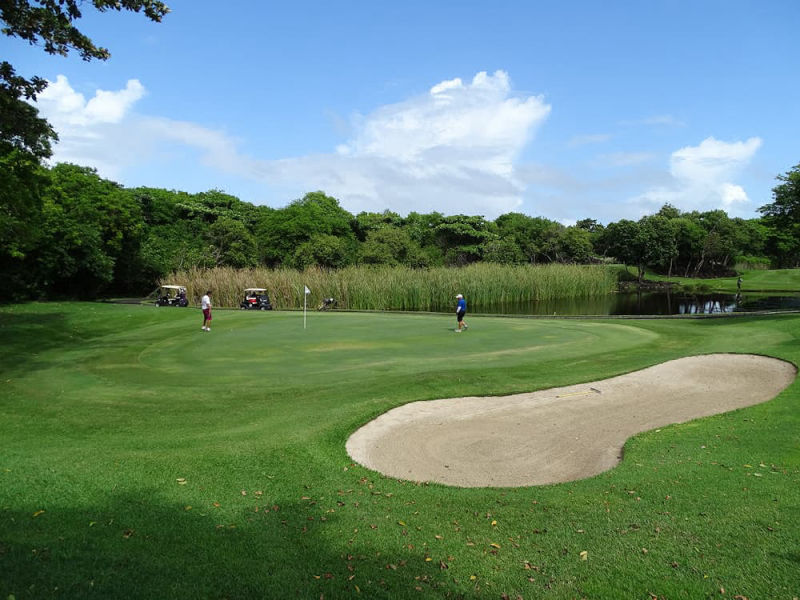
255, 289
174, 287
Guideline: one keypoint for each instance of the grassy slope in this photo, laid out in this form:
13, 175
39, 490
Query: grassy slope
775, 280
104, 408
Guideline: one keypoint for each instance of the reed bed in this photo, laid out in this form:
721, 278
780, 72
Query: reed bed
401, 288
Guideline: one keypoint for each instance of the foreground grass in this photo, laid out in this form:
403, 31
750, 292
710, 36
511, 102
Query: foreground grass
142, 458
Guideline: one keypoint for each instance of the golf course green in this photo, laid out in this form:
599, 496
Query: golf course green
144, 458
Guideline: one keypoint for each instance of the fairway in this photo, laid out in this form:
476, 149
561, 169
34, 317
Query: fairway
144, 458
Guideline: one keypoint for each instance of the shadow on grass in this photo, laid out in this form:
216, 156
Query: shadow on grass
134, 548
25, 335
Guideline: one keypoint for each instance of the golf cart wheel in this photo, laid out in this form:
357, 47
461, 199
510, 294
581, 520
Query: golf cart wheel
263, 308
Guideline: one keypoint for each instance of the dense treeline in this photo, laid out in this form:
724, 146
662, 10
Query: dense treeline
66, 231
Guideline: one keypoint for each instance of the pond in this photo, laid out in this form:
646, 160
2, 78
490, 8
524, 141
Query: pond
647, 303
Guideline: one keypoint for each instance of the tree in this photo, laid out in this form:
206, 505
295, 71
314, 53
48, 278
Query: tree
232, 245
366, 222
718, 246
391, 246
689, 238
323, 250
658, 238
504, 251
648, 242
89, 227
49, 24
421, 228
281, 232
574, 245
22, 182
462, 237
782, 217
535, 236
784, 210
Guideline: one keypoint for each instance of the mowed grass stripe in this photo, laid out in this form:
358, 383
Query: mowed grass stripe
103, 409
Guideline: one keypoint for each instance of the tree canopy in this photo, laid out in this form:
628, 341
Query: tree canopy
65, 230
50, 25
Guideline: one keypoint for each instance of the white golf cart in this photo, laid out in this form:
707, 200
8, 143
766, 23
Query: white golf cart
172, 295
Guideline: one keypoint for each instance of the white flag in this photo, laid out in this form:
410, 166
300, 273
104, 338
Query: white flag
308, 291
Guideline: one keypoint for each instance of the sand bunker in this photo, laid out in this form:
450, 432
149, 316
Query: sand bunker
560, 434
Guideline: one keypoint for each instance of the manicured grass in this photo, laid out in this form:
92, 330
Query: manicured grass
143, 458
775, 280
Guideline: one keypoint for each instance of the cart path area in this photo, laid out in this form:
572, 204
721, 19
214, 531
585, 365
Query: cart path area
560, 434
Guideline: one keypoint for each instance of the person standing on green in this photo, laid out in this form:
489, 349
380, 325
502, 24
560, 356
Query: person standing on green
205, 304
461, 310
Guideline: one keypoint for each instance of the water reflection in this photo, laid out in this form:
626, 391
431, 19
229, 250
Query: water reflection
645, 303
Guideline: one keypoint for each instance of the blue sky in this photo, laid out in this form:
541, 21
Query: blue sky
566, 110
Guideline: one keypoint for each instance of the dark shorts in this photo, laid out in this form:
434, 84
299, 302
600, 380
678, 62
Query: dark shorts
460, 315
207, 314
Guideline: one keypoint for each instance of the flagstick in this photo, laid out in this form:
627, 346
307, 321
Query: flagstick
306, 292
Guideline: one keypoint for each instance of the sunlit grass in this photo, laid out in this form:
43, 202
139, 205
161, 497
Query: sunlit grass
757, 280
143, 458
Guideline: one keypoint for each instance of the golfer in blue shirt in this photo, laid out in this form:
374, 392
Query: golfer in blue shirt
461, 310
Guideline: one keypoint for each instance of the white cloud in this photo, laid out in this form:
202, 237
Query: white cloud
702, 177
713, 160
452, 149
66, 108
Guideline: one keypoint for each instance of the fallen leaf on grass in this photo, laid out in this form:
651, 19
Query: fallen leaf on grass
584, 555
181, 480
37, 513
493, 545
127, 533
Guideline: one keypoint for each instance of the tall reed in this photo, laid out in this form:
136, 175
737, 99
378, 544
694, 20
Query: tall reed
401, 288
